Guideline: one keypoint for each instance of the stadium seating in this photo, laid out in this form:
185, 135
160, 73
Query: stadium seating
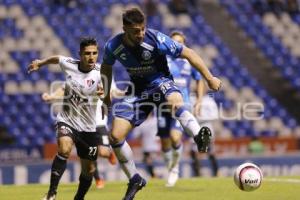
276, 36
55, 28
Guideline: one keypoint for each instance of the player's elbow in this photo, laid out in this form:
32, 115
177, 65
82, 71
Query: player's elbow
188, 53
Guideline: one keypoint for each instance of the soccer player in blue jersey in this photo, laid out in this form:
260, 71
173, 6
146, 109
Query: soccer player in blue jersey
169, 128
143, 54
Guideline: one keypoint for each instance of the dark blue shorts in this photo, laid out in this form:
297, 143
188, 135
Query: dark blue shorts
136, 108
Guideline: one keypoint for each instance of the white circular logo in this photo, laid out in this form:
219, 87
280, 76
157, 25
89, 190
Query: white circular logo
146, 55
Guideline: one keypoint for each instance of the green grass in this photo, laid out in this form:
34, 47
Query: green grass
186, 189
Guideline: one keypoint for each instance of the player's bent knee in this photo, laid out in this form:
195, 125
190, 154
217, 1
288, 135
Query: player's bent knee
104, 151
176, 139
65, 152
175, 99
65, 146
113, 139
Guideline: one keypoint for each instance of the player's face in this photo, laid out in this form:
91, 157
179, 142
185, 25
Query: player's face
89, 56
178, 39
135, 33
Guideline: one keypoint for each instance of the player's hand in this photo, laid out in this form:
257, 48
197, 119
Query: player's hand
197, 108
99, 91
214, 84
34, 66
46, 97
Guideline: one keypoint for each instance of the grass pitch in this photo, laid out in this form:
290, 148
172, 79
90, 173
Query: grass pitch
185, 189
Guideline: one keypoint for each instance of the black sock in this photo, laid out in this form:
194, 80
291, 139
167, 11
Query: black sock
150, 170
214, 164
195, 163
149, 164
57, 170
84, 185
96, 173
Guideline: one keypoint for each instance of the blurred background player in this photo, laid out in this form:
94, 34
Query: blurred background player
147, 132
256, 146
169, 128
76, 122
143, 53
206, 112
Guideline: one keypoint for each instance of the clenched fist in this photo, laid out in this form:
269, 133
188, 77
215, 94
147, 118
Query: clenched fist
214, 83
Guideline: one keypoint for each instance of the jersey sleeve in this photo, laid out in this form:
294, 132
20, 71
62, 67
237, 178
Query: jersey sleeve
167, 46
108, 57
67, 63
61, 62
195, 74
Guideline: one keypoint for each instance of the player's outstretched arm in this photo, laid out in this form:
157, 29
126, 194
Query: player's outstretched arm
36, 64
195, 60
56, 95
106, 76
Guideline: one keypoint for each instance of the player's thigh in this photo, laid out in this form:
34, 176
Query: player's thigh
65, 145
87, 166
175, 99
166, 143
120, 129
104, 151
175, 136
65, 138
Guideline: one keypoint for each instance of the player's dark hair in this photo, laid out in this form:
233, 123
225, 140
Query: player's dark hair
133, 16
87, 41
174, 33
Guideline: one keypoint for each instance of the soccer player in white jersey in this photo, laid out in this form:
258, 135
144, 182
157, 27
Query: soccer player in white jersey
101, 128
206, 113
76, 122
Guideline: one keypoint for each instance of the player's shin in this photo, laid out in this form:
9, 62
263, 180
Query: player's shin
58, 167
125, 156
167, 153
85, 182
187, 121
177, 152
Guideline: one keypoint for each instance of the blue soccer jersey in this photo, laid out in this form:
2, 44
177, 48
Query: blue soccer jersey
144, 63
148, 69
183, 73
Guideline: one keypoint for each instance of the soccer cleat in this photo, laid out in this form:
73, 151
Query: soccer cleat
112, 158
203, 139
50, 196
172, 178
135, 184
99, 183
